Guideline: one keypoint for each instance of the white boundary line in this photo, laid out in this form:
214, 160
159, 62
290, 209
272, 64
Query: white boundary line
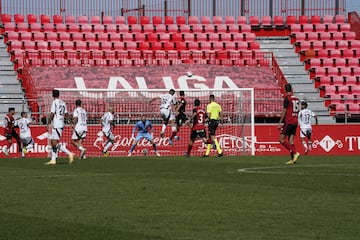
58, 175
259, 170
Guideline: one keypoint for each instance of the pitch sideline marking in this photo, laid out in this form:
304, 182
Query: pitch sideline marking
255, 170
59, 175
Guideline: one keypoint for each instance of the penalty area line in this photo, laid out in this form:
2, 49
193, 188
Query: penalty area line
265, 170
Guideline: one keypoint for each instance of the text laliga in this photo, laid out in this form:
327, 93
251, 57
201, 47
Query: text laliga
183, 82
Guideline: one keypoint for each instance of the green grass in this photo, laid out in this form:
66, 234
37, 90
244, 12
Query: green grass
178, 198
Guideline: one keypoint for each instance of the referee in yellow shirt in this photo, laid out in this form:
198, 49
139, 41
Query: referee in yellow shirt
213, 110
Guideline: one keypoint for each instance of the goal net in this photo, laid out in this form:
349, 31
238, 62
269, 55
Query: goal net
235, 134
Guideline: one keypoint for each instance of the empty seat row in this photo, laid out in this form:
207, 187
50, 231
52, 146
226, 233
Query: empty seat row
331, 27
339, 89
334, 98
107, 28
152, 37
81, 45
332, 62
324, 36
265, 20
330, 53
333, 71
318, 45
336, 80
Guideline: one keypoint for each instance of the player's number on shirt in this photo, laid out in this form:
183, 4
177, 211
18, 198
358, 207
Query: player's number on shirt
296, 106
83, 117
164, 101
61, 110
307, 118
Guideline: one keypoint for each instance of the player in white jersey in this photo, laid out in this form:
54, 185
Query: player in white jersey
25, 133
57, 120
107, 123
166, 102
80, 129
305, 116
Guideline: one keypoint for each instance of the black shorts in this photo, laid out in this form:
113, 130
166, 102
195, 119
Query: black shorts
180, 119
11, 135
197, 134
213, 125
289, 129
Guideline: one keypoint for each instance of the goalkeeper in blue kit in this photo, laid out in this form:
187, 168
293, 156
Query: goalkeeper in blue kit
143, 127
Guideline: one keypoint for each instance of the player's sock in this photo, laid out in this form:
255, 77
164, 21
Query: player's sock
81, 148
132, 148
293, 149
163, 128
64, 149
30, 146
304, 144
309, 144
154, 146
107, 146
286, 145
189, 149
208, 149
53, 153
173, 134
218, 148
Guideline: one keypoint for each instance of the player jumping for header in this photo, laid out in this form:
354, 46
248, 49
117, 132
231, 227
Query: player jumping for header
166, 100
305, 116
180, 117
143, 127
107, 122
25, 133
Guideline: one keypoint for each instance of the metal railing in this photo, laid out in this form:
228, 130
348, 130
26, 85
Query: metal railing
173, 7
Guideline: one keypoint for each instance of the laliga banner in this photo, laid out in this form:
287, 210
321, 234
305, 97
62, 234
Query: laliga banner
327, 140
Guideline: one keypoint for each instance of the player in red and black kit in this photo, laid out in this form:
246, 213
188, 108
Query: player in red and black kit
198, 126
10, 131
180, 118
289, 116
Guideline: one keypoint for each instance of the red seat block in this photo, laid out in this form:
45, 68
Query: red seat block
229, 20
169, 20
31, 18
205, 20
57, 19
180, 20
290, 20
157, 20
19, 18
5, 18
132, 20
217, 20
143, 20
303, 19
120, 20
193, 20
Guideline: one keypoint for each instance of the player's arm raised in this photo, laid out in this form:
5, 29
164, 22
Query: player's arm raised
154, 99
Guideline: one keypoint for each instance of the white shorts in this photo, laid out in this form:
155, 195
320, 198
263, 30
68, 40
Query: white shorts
77, 135
165, 113
109, 135
305, 132
56, 133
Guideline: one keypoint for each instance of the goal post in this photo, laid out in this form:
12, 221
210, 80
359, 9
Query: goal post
236, 133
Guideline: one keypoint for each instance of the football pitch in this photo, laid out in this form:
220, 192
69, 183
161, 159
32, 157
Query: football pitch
181, 198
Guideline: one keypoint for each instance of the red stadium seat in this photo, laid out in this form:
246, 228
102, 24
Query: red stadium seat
120, 20
135, 28
107, 20
188, 37
131, 45
95, 20
327, 19
217, 46
337, 36
63, 36
201, 37
327, 62
303, 19
229, 20
320, 28
122, 28
205, 20
241, 20
222, 28
316, 45
213, 37
193, 20
341, 44
339, 19
164, 37
290, 20
110, 28
57, 19
115, 37
249, 37
127, 37
151, 37
55, 46
31, 18
352, 62
97, 28
148, 28
12, 36
22, 27
83, 19
35, 27
180, 20
156, 46
157, 20
196, 28
339, 62
29, 46
132, 20
266, 21
69, 19
44, 19
143, 20
177, 37
42, 45
324, 36
350, 36
67, 45
330, 44
312, 36
77, 37
5, 18
278, 21
315, 19
19, 18
25, 36
185, 28
332, 27
173, 28
307, 27
245, 28
254, 21
345, 27
119, 46
60, 28
217, 20
51, 36
169, 45
169, 20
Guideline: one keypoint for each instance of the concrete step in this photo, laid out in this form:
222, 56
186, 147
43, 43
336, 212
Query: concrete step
293, 70
7, 73
11, 89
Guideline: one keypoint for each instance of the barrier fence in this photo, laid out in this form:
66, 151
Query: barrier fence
173, 7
